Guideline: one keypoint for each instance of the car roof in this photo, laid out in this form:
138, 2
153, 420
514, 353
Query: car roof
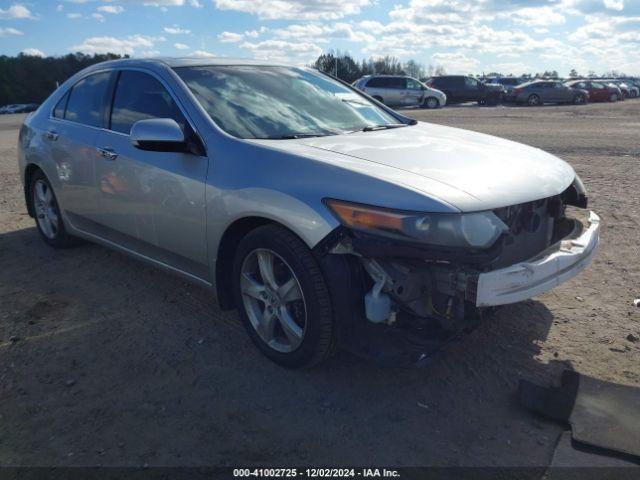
172, 62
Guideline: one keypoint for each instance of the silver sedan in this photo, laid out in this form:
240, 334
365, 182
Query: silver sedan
324, 217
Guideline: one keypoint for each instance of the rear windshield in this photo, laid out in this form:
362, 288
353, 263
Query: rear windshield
279, 102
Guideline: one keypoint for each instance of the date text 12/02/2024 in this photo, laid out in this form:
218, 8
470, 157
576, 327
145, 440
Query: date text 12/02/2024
315, 473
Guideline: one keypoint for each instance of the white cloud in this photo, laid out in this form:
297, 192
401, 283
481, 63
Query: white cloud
59, 8
176, 30
124, 46
614, 4
201, 54
323, 33
230, 37
543, 16
181, 46
113, 9
74, 16
98, 16
455, 62
16, 11
9, 31
280, 50
33, 52
295, 9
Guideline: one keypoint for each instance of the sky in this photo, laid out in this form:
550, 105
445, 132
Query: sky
463, 36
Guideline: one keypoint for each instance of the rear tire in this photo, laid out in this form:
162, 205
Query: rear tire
47, 213
534, 100
378, 98
291, 326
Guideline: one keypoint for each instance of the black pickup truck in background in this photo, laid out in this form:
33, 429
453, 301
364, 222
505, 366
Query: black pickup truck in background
461, 89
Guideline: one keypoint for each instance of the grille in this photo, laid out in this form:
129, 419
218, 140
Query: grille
531, 227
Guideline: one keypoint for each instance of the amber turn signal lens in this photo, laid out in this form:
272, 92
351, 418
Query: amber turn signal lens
358, 216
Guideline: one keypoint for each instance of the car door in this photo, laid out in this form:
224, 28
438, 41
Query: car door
598, 92
395, 91
72, 132
414, 92
561, 93
151, 202
545, 91
471, 89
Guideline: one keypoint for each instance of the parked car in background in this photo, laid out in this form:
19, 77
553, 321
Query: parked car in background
328, 219
460, 89
598, 91
624, 90
9, 108
631, 91
539, 92
634, 82
400, 91
19, 108
509, 83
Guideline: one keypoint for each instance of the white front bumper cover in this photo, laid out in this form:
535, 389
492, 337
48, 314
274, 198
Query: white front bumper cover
554, 266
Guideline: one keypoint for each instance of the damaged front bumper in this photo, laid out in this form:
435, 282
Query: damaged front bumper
554, 266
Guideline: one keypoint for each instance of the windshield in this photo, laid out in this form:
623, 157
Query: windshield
280, 102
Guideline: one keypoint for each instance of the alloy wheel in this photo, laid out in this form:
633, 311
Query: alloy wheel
46, 210
534, 100
273, 300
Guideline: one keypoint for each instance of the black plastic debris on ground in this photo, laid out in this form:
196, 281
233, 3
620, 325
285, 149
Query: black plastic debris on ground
604, 416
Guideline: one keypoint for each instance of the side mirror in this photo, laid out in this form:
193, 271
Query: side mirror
158, 135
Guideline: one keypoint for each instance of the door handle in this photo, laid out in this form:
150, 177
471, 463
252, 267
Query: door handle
52, 135
107, 153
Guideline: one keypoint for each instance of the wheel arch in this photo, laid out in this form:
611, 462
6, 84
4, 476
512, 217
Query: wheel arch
29, 171
226, 251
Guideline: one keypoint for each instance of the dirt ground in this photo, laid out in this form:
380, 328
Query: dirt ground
104, 361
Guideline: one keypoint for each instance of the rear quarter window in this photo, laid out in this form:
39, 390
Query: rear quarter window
87, 99
61, 106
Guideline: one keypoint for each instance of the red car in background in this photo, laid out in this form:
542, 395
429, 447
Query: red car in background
598, 91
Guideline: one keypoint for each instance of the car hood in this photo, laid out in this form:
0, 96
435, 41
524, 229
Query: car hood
470, 171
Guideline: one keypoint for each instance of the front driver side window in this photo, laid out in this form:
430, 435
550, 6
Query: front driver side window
413, 85
139, 96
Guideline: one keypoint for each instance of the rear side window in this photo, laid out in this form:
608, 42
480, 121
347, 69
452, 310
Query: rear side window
61, 106
399, 83
87, 99
139, 96
377, 82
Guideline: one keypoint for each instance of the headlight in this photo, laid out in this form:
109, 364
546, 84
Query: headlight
470, 230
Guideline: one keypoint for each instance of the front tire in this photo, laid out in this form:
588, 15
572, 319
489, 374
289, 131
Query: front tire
431, 103
282, 297
579, 100
47, 213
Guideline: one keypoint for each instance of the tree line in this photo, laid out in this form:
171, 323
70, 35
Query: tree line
31, 79
345, 67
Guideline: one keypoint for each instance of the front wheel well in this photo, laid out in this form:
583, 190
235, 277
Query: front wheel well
28, 175
226, 253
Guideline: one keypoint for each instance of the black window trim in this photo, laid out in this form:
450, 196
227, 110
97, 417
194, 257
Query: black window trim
112, 95
68, 93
